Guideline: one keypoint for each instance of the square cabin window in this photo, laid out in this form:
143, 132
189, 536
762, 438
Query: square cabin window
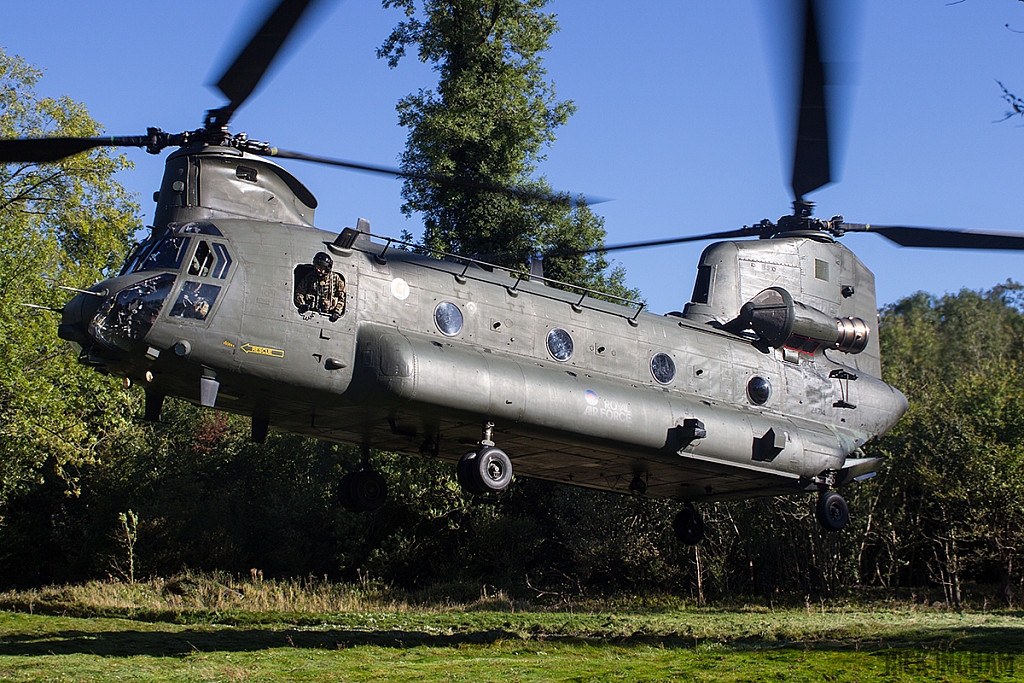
821, 269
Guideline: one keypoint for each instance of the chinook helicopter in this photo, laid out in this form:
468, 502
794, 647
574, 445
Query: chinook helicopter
766, 383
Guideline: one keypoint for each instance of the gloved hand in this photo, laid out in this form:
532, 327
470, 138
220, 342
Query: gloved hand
307, 315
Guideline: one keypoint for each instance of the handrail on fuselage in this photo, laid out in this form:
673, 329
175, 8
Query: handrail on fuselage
520, 275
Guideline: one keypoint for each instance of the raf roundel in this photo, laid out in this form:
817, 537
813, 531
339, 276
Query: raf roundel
400, 289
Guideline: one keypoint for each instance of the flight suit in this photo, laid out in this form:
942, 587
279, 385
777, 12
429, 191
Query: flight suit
325, 296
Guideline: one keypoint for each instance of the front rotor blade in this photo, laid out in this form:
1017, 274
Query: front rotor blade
241, 78
741, 232
53, 149
443, 180
811, 163
941, 238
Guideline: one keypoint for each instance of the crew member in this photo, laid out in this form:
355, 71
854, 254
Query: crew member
321, 291
191, 303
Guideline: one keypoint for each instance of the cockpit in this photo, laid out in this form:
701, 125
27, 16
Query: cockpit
125, 318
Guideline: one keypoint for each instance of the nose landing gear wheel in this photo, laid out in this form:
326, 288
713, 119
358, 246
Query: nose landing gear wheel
485, 471
832, 511
689, 526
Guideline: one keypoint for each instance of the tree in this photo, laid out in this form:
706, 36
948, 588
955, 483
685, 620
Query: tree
950, 502
64, 223
488, 121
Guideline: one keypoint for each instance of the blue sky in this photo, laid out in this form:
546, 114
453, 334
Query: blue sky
679, 119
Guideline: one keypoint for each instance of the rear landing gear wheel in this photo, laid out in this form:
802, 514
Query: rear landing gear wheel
832, 511
488, 470
362, 491
688, 525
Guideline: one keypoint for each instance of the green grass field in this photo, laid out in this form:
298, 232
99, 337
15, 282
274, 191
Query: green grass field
120, 634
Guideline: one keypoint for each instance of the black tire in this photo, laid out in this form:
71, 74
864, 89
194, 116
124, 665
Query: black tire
492, 469
689, 526
465, 473
488, 470
368, 490
345, 493
832, 511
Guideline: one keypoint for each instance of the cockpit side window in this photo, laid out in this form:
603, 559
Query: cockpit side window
220, 271
211, 259
195, 300
202, 260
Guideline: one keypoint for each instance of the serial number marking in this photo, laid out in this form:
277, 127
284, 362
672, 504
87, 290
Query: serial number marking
263, 351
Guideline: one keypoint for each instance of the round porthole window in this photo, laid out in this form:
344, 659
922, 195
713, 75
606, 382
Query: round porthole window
663, 368
758, 390
559, 344
448, 318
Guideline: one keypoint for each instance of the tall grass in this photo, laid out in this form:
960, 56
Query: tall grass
219, 592
212, 593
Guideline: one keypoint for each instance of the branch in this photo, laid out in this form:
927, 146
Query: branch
24, 195
1016, 103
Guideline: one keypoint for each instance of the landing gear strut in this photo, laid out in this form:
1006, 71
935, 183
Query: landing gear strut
688, 525
487, 470
832, 511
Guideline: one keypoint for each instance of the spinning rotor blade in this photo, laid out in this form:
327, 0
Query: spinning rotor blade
811, 162
940, 238
241, 78
53, 149
728, 234
443, 180
237, 84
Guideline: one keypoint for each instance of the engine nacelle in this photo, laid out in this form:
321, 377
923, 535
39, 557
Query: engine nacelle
779, 320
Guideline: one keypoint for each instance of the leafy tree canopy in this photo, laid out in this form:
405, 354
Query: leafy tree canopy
65, 223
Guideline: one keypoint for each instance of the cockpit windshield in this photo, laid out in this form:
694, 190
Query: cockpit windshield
124, 319
167, 254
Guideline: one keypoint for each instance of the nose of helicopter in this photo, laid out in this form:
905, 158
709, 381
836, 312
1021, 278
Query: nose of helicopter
75, 317
114, 316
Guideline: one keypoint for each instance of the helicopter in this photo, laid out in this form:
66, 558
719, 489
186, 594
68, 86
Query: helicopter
766, 383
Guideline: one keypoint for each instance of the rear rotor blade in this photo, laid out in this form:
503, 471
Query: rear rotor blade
941, 238
53, 149
811, 161
243, 75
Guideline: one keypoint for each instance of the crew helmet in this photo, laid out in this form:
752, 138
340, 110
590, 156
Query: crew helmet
323, 260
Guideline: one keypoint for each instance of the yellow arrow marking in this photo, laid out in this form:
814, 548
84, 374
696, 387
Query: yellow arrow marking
263, 351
